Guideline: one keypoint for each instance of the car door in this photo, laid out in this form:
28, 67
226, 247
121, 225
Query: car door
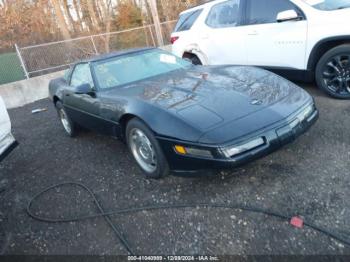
222, 38
84, 109
271, 43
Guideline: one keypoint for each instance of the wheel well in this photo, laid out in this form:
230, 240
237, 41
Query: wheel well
322, 48
55, 99
190, 55
123, 123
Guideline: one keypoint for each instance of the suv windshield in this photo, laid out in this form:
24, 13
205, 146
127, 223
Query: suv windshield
329, 5
134, 67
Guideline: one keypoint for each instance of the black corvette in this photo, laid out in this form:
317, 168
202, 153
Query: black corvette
177, 116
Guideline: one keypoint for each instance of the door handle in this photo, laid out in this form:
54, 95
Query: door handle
253, 33
205, 36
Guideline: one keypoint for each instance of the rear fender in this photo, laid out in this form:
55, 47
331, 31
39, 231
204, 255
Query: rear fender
194, 49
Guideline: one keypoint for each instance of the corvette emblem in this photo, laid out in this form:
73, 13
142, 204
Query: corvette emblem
256, 102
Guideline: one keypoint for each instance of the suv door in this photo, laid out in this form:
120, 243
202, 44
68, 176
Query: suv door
222, 39
271, 43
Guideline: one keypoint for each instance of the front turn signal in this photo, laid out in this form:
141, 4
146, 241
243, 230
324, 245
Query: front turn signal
180, 149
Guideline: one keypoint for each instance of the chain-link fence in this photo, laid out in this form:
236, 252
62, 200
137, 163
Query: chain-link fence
10, 68
167, 28
55, 56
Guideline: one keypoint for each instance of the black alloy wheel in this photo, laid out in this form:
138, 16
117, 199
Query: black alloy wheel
333, 72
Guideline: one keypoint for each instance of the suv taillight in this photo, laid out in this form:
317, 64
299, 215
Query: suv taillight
173, 39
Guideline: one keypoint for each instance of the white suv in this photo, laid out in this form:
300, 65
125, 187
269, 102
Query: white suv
299, 39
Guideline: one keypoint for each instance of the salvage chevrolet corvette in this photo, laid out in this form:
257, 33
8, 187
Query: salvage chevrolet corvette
177, 116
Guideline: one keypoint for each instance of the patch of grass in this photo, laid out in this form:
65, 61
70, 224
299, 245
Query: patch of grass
10, 68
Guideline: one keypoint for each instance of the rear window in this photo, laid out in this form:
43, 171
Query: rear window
187, 20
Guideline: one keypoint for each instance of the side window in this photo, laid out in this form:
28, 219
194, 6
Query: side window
265, 11
225, 14
67, 74
187, 20
81, 75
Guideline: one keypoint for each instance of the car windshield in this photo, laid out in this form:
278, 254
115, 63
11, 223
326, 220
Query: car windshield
134, 67
329, 5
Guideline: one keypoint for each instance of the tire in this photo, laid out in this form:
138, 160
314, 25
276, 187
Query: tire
145, 149
195, 60
333, 72
68, 125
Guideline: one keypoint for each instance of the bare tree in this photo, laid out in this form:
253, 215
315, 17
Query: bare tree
61, 19
35, 21
68, 15
77, 11
107, 9
93, 16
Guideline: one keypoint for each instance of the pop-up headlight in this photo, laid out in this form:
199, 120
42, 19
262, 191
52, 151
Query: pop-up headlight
238, 149
306, 113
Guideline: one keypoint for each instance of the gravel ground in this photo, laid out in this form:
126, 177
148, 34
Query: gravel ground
309, 178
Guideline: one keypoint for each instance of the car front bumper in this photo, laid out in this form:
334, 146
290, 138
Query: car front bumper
275, 137
7, 144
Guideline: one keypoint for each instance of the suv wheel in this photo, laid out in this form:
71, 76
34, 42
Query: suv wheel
333, 72
193, 58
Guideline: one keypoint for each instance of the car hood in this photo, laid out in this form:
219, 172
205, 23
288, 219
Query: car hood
212, 96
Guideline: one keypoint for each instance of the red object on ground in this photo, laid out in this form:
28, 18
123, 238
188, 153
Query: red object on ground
297, 222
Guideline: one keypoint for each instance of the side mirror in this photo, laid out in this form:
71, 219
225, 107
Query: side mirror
289, 15
83, 89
